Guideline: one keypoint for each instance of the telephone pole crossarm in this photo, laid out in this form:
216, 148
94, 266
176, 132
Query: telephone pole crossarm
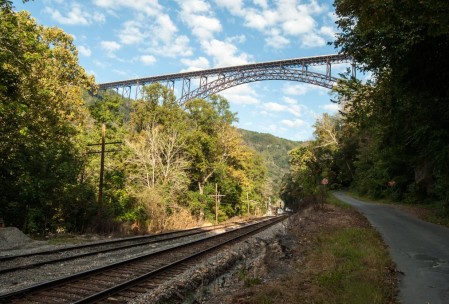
102, 152
217, 196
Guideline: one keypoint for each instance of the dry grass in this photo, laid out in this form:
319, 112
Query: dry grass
340, 259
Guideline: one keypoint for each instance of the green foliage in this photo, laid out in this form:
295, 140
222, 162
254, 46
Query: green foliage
400, 120
40, 159
355, 275
274, 152
317, 161
167, 158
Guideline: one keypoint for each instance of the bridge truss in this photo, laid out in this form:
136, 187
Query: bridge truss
216, 80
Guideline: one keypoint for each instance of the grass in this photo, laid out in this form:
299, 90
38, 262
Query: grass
65, 239
247, 279
336, 202
352, 265
344, 263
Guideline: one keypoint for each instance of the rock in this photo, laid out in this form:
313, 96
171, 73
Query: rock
11, 237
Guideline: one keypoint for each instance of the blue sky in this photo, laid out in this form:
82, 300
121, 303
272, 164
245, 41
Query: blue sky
124, 39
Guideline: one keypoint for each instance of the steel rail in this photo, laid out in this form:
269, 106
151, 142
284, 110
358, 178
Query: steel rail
92, 244
106, 293
83, 255
146, 240
19, 294
108, 242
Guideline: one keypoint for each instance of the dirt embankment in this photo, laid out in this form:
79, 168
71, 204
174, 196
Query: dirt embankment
282, 269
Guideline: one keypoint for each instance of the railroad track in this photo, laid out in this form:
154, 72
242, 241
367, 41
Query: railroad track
54, 256
125, 280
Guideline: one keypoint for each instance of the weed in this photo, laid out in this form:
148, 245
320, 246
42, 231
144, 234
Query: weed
359, 271
248, 281
345, 261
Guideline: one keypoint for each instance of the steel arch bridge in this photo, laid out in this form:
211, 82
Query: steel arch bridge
216, 80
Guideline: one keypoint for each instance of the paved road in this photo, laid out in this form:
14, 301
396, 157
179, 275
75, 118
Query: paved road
419, 249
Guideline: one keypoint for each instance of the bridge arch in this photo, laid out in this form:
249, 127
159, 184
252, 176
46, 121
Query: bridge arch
223, 78
223, 83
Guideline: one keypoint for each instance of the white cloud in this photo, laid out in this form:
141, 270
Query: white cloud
242, 95
194, 6
283, 21
198, 16
328, 31
236, 39
110, 47
262, 3
276, 40
289, 100
255, 20
293, 123
224, 53
296, 89
75, 16
275, 107
179, 46
85, 51
151, 27
165, 28
234, 6
312, 8
131, 33
294, 109
201, 63
331, 107
98, 17
147, 59
312, 40
148, 7
301, 24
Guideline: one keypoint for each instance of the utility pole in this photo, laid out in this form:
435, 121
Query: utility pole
247, 199
217, 202
102, 152
251, 201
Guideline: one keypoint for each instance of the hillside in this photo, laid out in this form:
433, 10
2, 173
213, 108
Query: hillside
274, 151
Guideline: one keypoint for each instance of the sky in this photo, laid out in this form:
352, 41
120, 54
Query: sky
127, 39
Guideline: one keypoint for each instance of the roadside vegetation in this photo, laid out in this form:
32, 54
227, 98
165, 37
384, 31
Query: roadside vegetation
340, 259
389, 140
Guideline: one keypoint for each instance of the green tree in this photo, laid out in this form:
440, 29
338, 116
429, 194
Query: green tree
41, 114
405, 112
208, 153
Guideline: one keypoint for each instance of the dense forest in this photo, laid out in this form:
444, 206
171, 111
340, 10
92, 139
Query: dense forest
163, 163
274, 152
391, 138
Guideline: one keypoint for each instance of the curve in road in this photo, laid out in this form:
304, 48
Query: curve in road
419, 249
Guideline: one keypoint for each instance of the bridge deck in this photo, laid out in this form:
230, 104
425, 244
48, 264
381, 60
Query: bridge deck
296, 62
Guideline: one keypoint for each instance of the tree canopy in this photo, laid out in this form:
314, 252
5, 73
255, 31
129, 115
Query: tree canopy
391, 139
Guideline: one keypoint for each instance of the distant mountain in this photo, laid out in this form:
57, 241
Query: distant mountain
274, 151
